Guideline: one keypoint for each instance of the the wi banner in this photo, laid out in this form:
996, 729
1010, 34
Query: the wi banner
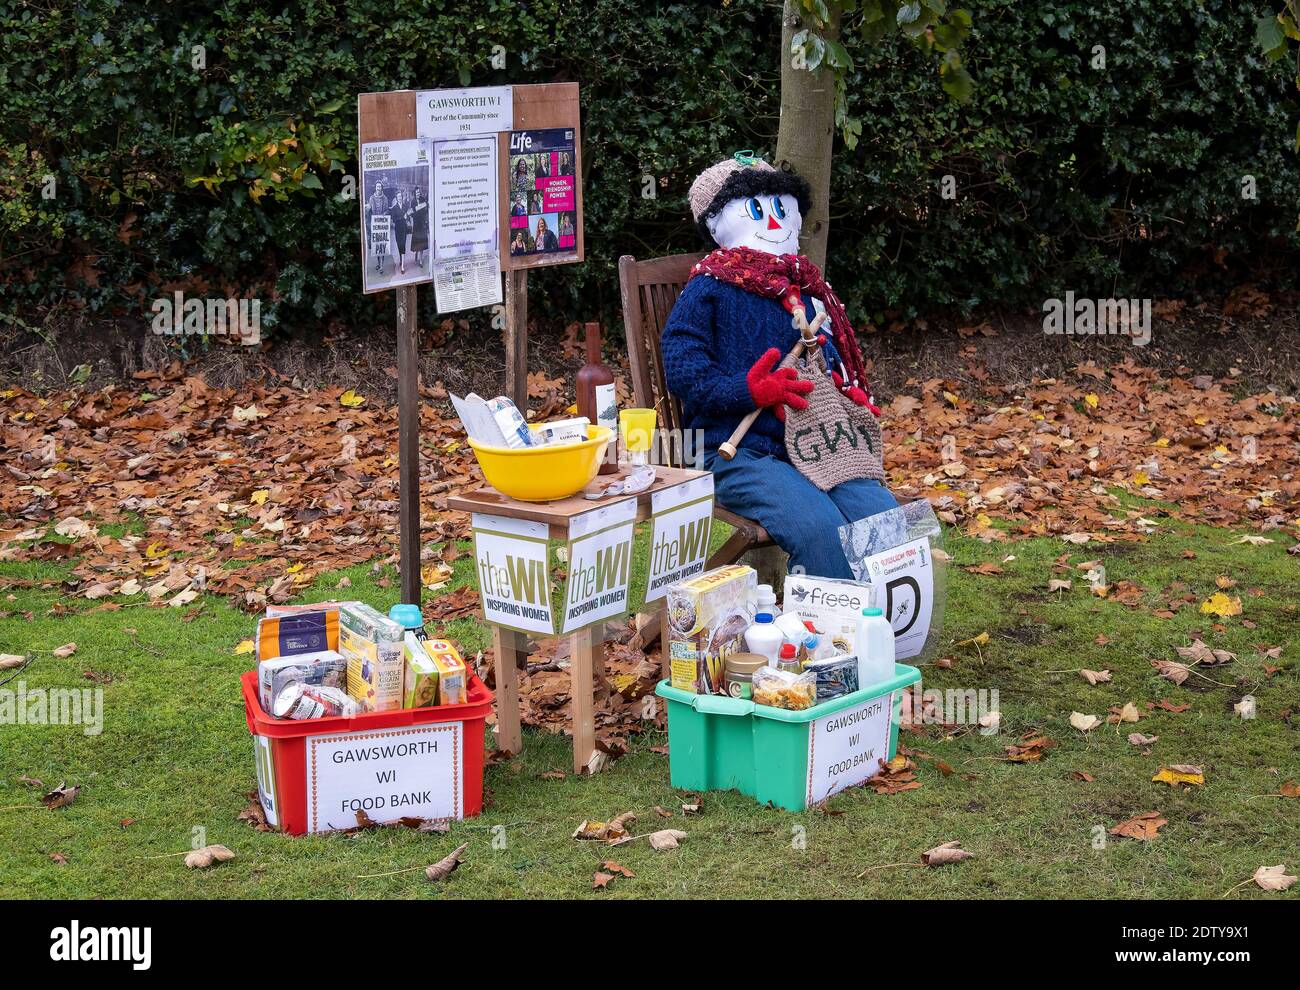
681, 523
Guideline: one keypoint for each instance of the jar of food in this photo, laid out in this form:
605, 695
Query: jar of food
740, 673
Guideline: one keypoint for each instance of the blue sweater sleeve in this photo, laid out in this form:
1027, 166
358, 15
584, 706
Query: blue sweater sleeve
691, 350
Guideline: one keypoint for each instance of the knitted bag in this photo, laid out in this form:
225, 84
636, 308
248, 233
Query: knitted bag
833, 440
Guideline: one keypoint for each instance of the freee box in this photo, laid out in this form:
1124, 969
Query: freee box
832, 605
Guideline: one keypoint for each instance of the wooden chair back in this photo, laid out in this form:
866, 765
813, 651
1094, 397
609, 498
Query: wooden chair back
649, 289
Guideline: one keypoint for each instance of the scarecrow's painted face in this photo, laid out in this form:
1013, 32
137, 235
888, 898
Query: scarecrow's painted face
766, 222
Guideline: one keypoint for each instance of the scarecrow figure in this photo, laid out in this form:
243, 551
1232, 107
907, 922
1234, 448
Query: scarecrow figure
732, 325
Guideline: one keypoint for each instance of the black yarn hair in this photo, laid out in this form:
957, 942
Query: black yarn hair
755, 182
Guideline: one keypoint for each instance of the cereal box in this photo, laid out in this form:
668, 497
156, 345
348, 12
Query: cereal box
372, 644
707, 619
435, 674
832, 605
420, 675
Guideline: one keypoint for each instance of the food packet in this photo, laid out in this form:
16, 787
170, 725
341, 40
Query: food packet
782, 689
302, 701
836, 676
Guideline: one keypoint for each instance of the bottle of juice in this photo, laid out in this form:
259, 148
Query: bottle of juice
874, 645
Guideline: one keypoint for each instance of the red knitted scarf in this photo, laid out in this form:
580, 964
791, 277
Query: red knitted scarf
781, 277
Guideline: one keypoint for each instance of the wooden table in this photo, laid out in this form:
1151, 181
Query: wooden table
511, 654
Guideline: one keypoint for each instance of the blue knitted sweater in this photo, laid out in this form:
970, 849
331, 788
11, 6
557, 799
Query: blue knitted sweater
713, 336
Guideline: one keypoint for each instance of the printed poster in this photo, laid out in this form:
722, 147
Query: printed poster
395, 214
600, 564
682, 517
467, 265
542, 190
904, 577
512, 562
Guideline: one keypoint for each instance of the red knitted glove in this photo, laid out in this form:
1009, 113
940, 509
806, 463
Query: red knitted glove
858, 396
776, 389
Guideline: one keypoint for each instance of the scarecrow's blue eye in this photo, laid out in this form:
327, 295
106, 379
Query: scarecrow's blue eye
754, 208
778, 208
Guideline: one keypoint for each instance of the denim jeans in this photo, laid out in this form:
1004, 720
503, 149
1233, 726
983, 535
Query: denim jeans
802, 518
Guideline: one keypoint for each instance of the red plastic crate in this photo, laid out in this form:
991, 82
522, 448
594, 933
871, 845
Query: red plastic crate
311, 773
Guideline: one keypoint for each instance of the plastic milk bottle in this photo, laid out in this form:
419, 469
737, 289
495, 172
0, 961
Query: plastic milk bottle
874, 645
764, 637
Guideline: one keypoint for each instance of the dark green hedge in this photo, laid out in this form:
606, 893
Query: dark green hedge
1122, 180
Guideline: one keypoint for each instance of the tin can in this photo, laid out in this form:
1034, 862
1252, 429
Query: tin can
301, 701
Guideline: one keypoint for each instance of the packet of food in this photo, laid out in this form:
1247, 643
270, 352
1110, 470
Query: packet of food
784, 689
302, 701
420, 678
453, 675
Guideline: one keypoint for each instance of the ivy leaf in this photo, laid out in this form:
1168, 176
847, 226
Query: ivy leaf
1270, 37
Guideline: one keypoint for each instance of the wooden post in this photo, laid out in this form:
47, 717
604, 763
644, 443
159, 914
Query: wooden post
517, 337
582, 713
508, 659
408, 442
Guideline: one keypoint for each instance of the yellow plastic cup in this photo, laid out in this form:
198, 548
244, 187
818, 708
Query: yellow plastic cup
637, 427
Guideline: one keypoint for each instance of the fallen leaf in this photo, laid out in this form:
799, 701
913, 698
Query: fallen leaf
1095, 677
614, 867
66, 650
245, 646
667, 838
1221, 605
446, 866
201, 859
1273, 877
61, 796
1058, 585
1181, 773
949, 852
1143, 827
599, 881
609, 831
1084, 723
1138, 739
8, 661
351, 399
1128, 713
1171, 670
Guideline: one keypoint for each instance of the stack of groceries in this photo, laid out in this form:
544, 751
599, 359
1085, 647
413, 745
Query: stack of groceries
345, 658
499, 423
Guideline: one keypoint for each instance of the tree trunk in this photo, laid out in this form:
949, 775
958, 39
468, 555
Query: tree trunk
807, 129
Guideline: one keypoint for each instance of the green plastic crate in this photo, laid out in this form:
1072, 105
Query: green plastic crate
788, 759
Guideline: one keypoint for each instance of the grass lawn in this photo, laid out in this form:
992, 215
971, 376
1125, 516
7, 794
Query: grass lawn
175, 758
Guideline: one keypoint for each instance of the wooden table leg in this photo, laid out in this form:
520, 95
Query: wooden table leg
506, 648
665, 661
582, 662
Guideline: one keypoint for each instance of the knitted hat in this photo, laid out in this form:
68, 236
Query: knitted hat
739, 176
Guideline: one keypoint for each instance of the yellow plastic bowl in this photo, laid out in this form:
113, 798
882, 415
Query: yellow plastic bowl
541, 474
